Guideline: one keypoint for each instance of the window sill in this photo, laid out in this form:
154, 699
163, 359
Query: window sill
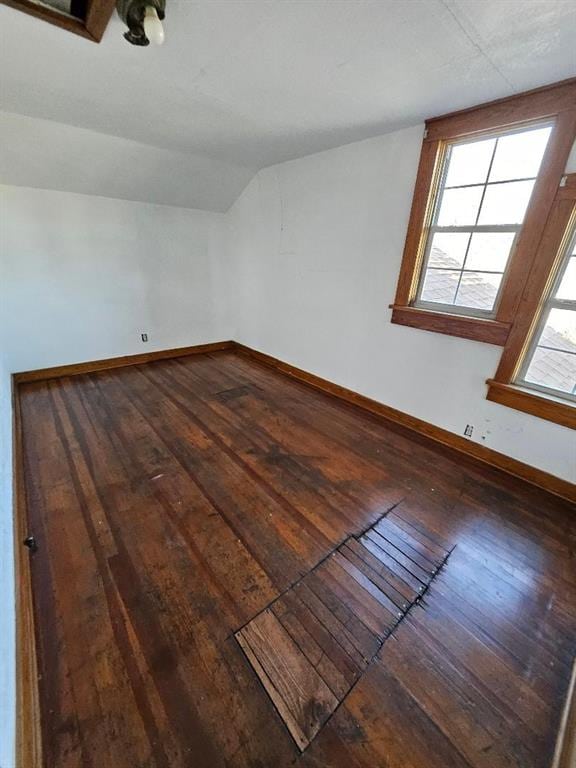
543, 406
476, 328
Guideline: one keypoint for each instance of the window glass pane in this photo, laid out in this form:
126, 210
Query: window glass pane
489, 251
553, 369
478, 290
519, 156
567, 287
459, 207
469, 163
486, 185
505, 203
448, 249
560, 330
440, 286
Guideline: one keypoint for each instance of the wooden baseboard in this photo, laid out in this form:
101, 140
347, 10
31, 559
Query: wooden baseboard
481, 453
74, 369
28, 730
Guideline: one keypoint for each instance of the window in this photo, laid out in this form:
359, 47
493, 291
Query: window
484, 189
537, 371
550, 364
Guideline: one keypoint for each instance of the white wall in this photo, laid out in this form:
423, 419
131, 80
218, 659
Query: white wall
7, 639
316, 244
83, 276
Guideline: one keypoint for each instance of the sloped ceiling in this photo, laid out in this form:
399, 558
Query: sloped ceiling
243, 84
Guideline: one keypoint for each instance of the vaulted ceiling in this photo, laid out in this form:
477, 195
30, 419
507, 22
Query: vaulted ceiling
242, 84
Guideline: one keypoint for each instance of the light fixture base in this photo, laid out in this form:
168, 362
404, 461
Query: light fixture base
132, 13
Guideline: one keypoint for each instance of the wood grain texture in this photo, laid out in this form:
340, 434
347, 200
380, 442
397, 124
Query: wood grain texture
537, 104
533, 403
425, 188
98, 14
300, 693
505, 463
92, 26
294, 648
174, 501
449, 440
488, 331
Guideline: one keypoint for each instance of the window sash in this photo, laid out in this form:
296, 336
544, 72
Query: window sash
468, 311
457, 308
550, 303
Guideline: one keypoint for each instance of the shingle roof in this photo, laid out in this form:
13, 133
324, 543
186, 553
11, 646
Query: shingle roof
552, 365
476, 290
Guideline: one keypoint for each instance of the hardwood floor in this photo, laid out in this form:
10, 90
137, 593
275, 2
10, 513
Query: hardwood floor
312, 644
173, 502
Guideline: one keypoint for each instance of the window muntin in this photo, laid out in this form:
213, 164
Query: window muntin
483, 195
550, 363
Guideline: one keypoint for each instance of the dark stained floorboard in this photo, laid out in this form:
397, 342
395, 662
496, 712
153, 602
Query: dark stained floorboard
291, 649
174, 501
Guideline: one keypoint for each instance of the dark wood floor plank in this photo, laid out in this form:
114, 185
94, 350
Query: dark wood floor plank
323, 606
401, 582
396, 598
174, 501
297, 689
390, 611
394, 551
299, 437
436, 551
255, 517
321, 650
136, 574
100, 686
271, 442
232, 437
507, 691
238, 579
294, 478
381, 551
410, 546
290, 630
394, 730
466, 716
172, 643
364, 607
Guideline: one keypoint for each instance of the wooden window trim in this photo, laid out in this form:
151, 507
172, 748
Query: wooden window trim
555, 102
463, 326
531, 402
95, 16
501, 388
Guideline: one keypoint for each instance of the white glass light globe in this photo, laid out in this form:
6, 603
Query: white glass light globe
153, 26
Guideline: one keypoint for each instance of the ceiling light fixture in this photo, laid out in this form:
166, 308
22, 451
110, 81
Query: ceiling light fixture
143, 19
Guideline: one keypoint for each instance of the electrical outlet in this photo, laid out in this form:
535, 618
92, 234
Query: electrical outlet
144, 337
468, 431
